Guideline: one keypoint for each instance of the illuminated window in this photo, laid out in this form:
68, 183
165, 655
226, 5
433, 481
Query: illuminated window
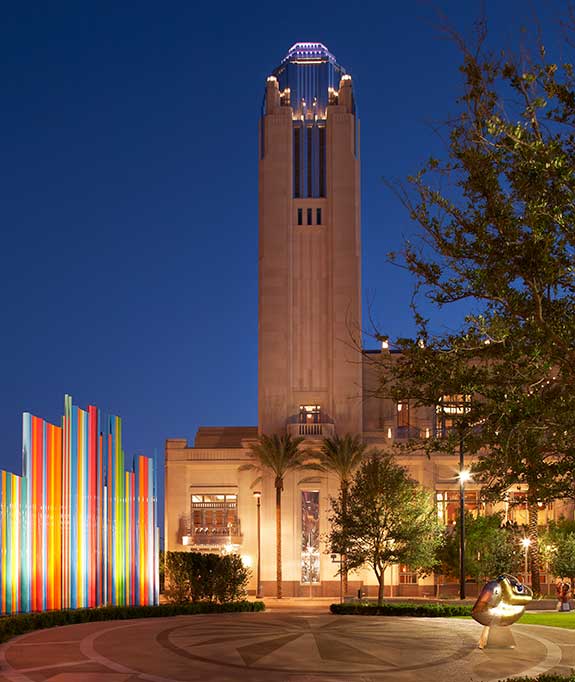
300, 216
309, 164
448, 412
310, 414
310, 536
403, 414
407, 576
448, 505
214, 516
318, 216
310, 216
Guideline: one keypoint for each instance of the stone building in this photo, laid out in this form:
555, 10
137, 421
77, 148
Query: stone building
313, 379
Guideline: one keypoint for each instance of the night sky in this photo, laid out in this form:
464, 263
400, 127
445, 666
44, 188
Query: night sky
128, 196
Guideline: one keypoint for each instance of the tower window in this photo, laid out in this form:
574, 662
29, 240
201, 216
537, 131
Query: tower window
300, 216
310, 163
318, 216
296, 162
309, 216
321, 162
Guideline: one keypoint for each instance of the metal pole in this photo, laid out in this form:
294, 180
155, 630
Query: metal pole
461, 521
340, 581
258, 578
526, 578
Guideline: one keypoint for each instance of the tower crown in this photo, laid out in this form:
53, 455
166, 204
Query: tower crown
308, 78
308, 52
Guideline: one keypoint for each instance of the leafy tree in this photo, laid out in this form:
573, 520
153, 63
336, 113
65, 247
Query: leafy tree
342, 455
562, 562
279, 455
387, 519
497, 230
490, 548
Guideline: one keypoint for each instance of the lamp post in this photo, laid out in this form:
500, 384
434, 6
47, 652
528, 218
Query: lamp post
526, 542
258, 495
464, 475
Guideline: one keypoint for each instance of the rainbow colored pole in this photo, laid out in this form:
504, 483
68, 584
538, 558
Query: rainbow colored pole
76, 529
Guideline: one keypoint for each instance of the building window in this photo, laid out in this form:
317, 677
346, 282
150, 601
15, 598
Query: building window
297, 162
309, 164
310, 216
403, 419
214, 517
300, 216
318, 216
310, 536
448, 505
407, 576
448, 412
321, 163
310, 414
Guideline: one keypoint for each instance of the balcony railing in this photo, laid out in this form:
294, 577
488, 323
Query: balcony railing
212, 535
311, 430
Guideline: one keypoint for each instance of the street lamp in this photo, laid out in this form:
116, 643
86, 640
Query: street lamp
258, 495
526, 542
464, 475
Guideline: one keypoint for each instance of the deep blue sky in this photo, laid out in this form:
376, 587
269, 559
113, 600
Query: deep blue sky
128, 195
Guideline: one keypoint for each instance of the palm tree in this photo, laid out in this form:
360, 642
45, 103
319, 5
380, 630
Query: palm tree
278, 454
342, 455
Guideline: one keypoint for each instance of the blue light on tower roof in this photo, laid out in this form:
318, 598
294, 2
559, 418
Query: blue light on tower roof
308, 51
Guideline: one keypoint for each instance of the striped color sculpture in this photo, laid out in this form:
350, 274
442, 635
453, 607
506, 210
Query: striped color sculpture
76, 529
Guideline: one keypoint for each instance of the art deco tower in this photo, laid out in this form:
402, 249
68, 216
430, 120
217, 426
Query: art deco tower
309, 248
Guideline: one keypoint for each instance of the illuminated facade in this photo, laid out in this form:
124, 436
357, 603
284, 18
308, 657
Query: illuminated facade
313, 381
77, 529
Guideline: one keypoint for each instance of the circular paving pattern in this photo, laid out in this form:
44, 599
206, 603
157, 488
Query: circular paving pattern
279, 647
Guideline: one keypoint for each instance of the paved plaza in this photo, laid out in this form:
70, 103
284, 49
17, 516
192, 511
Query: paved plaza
280, 646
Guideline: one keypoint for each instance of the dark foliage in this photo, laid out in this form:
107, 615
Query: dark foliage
193, 576
416, 610
11, 626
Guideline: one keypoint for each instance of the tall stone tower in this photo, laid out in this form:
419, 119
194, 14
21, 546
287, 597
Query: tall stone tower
309, 249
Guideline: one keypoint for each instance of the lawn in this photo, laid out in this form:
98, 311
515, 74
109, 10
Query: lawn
555, 619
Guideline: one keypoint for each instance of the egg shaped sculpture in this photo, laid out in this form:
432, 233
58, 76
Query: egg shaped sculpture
501, 601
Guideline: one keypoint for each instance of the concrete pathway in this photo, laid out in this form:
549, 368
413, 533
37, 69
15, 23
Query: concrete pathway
280, 646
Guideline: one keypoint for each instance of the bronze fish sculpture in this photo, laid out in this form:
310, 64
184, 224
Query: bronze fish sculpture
501, 601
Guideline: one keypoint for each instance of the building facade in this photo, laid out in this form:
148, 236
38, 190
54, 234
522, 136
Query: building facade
314, 381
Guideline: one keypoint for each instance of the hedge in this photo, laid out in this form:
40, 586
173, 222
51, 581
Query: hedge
405, 609
11, 626
543, 678
195, 576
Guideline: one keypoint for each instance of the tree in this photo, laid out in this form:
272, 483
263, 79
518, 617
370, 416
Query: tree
342, 455
277, 454
497, 234
387, 519
491, 548
562, 562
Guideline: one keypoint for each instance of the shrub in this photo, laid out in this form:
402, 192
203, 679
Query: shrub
417, 610
11, 626
543, 678
193, 576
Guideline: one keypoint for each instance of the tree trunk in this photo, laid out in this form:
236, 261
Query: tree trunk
343, 565
380, 591
534, 548
279, 487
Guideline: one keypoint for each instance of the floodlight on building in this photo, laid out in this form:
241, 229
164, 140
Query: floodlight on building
186, 540
247, 561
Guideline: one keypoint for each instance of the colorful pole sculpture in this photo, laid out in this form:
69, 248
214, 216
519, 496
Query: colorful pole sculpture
76, 529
